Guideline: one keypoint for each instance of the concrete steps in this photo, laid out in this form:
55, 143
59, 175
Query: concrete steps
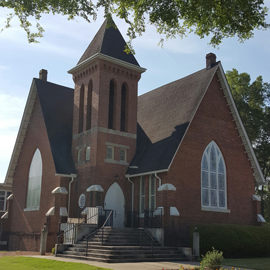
122, 245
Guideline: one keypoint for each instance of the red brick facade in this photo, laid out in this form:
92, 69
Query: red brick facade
212, 121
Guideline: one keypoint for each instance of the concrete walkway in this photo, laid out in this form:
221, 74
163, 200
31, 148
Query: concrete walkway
133, 266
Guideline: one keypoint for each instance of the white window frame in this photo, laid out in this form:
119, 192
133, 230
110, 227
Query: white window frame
87, 153
79, 155
219, 156
142, 193
34, 182
112, 152
5, 196
152, 178
125, 154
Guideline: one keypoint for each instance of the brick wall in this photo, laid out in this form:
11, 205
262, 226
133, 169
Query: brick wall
212, 122
26, 226
97, 171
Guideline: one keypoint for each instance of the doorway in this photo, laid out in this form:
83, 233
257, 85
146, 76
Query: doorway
115, 200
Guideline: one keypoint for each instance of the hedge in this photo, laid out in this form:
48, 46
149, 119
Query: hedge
234, 240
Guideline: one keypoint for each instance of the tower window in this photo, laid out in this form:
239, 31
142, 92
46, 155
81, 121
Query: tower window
123, 155
81, 111
111, 105
79, 155
89, 105
124, 108
110, 152
87, 153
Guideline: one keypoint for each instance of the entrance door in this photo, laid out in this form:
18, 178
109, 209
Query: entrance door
115, 201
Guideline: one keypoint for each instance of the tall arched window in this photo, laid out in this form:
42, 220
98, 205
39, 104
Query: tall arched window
213, 181
81, 105
89, 105
34, 182
124, 108
111, 105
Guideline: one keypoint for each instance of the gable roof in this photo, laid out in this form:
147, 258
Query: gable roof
110, 42
57, 107
160, 134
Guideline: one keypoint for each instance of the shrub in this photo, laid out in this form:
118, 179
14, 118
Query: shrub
212, 259
235, 241
53, 250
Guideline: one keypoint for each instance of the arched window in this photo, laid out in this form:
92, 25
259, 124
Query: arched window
111, 105
213, 181
34, 182
89, 105
124, 108
81, 105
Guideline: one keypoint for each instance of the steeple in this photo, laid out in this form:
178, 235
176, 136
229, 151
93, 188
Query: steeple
110, 42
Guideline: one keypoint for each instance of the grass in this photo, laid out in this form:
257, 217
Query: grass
257, 263
23, 263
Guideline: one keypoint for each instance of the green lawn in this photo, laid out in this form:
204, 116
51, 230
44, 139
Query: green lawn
23, 263
257, 263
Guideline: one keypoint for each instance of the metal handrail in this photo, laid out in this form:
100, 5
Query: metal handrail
148, 234
79, 224
93, 233
159, 225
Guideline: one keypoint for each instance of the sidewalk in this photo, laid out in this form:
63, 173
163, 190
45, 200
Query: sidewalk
133, 266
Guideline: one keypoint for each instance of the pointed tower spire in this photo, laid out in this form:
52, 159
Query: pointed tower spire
110, 42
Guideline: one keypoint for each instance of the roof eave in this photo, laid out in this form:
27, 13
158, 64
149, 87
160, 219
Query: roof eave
146, 173
107, 58
21, 134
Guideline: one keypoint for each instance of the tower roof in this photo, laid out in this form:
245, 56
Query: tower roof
109, 41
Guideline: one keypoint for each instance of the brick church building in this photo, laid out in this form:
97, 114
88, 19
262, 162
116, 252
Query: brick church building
179, 151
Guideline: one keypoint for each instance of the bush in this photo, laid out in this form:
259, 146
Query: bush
212, 259
53, 250
235, 241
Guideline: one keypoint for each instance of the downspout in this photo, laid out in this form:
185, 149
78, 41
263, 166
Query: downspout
132, 200
158, 179
69, 188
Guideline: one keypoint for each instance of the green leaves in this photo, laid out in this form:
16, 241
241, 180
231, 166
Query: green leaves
252, 101
216, 18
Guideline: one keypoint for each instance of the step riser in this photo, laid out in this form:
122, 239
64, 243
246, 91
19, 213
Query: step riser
121, 245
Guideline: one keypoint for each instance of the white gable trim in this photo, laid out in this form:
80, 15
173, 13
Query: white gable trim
21, 134
242, 132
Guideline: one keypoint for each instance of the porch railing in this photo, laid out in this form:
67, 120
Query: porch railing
108, 220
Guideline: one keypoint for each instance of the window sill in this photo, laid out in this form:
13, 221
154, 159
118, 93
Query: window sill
107, 160
215, 209
31, 209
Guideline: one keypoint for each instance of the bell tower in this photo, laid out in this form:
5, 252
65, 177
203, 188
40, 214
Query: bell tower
105, 114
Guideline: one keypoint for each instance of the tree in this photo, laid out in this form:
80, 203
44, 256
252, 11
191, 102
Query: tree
253, 103
218, 18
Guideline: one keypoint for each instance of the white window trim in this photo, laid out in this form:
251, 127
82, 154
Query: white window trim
142, 178
150, 195
36, 207
110, 147
209, 207
87, 159
125, 151
5, 200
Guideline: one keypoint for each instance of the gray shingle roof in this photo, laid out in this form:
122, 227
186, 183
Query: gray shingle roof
163, 118
108, 41
57, 107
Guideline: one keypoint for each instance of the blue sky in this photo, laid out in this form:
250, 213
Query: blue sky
65, 41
